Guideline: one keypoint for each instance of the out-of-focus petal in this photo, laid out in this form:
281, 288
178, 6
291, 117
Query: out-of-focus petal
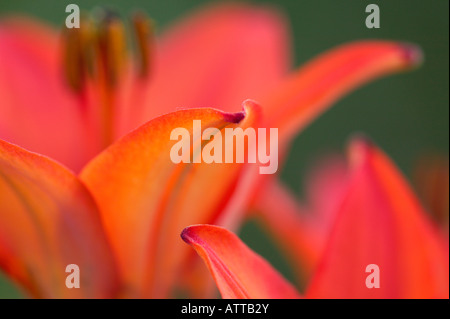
381, 222
48, 220
293, 228
146, 200
37, 110
217, 57
318, 84
431, 177
301, 228
195, 280
325, 185
238, 271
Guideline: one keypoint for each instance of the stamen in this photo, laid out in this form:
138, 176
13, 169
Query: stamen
97, 50
78, 54
100, 50
144, 31
112, 48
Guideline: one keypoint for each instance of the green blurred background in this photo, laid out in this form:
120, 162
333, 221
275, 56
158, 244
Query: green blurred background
407, 115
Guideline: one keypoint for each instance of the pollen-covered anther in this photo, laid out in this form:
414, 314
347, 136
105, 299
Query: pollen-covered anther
111, 47
78, 54
144, 33
99, 49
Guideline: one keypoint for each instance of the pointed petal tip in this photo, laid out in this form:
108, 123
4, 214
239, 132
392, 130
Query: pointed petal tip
358, 148
189, 235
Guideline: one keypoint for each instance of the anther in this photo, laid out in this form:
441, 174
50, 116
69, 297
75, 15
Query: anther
144, 31
78, 54
111, 48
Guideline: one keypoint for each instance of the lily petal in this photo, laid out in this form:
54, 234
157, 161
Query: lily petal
238, 271
217, 57
37, 110
146, 199
301, 228
291, 225
318, 84
381, 222
431, 178
48, 220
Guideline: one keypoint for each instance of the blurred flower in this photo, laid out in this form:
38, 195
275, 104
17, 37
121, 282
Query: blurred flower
378, 220
69, 96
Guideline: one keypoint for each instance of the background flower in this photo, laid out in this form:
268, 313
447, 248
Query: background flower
377, 222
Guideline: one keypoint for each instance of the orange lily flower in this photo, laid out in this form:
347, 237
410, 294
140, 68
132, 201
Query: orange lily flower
119, 218
378, 221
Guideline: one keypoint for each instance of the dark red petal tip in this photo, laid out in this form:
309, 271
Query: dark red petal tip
184, 235
413, 54
187, 235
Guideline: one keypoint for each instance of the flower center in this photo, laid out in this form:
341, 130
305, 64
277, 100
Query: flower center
98, 48
95, 60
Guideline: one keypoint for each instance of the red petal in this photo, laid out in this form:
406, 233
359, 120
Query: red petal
238, 271
381, 222
48, 220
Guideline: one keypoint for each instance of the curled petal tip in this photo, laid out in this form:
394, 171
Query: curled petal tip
234, 117
250, 109
249, 103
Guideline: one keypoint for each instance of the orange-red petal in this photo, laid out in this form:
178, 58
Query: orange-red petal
146, 200
239, 272
381, 222
48, 220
